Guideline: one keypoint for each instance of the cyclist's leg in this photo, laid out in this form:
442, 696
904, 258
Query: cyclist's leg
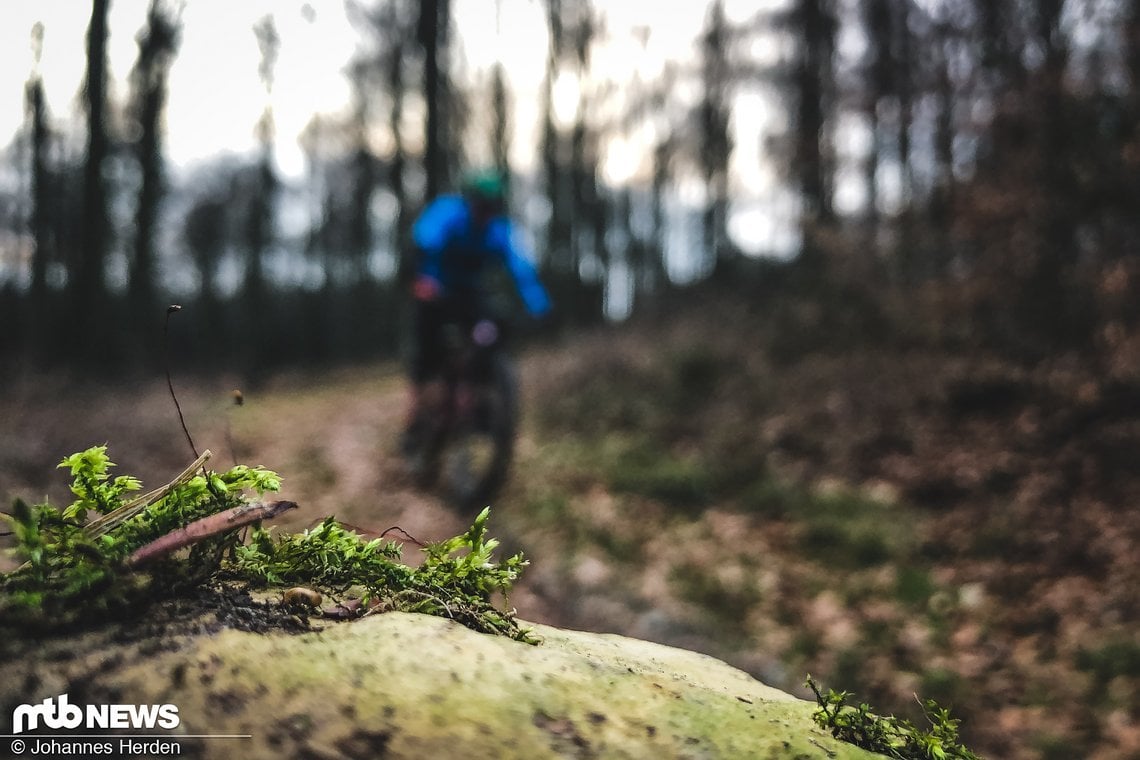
485, 328
426, 361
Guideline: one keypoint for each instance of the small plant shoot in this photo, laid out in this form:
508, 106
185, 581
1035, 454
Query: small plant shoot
889, 736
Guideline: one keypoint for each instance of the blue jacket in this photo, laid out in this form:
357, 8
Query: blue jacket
456, 252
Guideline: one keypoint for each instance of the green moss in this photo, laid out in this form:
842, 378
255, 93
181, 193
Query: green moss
849, 665
1053, 747
548, 507
886, 734
806, 646
640, 466
75, 568
675, 482
943, 685
914, 586
839, 544
1116, 658
727, 602
74, 561
771, 498
458, 578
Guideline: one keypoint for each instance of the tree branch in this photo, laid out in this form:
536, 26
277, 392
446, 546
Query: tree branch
207, 527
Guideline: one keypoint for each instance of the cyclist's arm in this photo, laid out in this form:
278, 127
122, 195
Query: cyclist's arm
517, 262
432, 231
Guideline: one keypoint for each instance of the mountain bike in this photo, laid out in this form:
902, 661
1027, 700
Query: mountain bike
463, 437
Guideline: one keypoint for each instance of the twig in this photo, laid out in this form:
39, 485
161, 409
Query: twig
207, 527
170, 383
423, 597
117, 517
238, 400
406, 534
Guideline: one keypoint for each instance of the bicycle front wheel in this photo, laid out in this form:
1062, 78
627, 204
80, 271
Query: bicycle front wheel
478, 456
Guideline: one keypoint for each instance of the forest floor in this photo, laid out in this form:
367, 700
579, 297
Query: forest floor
893, 519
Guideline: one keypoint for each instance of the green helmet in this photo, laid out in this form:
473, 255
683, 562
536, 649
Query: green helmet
485, 186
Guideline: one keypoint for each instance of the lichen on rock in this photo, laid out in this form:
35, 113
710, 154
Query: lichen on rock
402, 685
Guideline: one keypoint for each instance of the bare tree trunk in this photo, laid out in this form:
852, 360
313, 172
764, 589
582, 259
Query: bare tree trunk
813, 76
39, 332
941, 208
260, 218
716, 142
1132, 49
156, 50
393, 75
501, 135
87, 288
433, 38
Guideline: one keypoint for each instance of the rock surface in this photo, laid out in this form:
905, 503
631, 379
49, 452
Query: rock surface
412, 686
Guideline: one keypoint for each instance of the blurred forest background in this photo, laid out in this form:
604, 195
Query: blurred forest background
980, 156
877, 261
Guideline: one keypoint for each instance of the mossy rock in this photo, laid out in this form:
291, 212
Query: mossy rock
412, 686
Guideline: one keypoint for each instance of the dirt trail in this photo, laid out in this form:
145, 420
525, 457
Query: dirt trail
336, 446
332, 438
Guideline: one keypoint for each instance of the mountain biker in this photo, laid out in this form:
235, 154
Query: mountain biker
459, 238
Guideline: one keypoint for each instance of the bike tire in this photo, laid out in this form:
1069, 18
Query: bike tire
422, 447
477, 457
